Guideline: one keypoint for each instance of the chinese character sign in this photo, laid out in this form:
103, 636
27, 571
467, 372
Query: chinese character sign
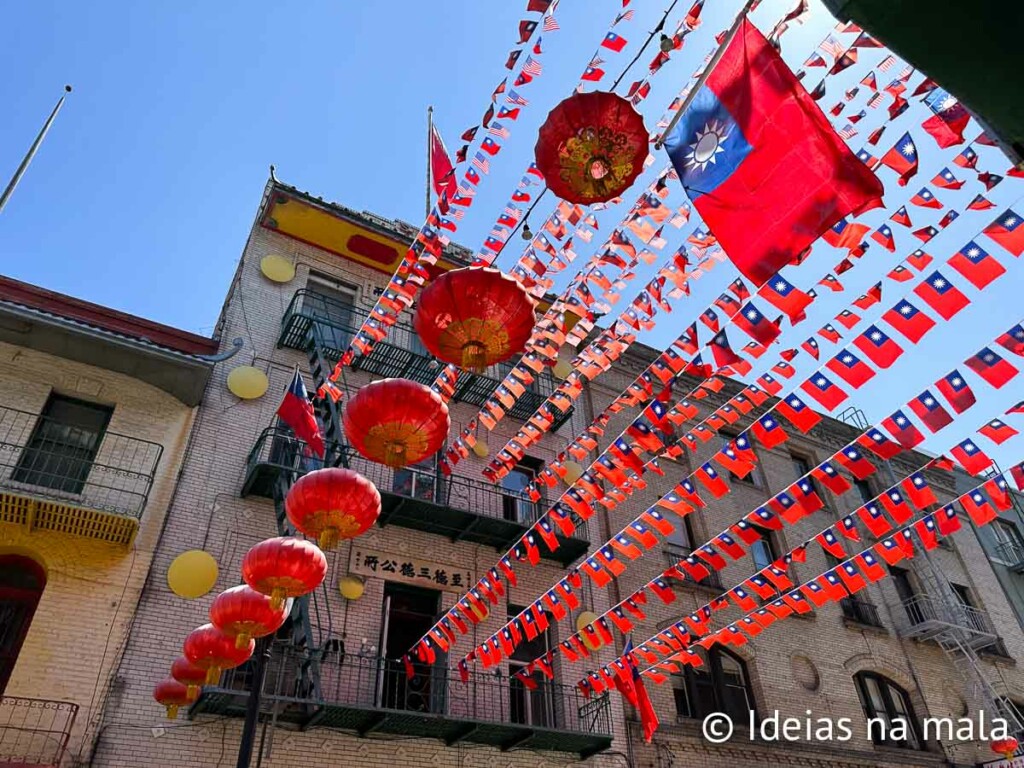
392, 567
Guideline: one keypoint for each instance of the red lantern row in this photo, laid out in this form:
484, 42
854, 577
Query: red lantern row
274, 570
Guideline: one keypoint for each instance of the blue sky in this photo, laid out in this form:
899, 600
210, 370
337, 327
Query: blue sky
143, 194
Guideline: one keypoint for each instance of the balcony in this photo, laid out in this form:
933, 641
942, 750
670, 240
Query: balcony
34, 733
400, 355
370, 695
923, 617
860, 612
1011, 553
460, 508
57, 477
674, 553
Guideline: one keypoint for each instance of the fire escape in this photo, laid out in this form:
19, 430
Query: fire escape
938, 614
311, 680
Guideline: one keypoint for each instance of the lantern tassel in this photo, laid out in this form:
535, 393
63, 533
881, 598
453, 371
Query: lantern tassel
172, 711
277, 598
212, 675
193, 691
242, 639
474, 356
328, 538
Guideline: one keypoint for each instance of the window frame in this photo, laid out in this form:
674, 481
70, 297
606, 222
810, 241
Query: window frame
27, 594
1001, 540
687, 682
886, 687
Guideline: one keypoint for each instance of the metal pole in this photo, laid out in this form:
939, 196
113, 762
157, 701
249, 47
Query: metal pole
32, 150
430, 146
706, 73
252, 710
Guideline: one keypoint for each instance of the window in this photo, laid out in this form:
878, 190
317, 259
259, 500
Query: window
971, 616
526, 706
763, 550
417, 481
917, 609
517, 505
885, 702
332, 306
855, 608
720, 685
679, 543
864, 489
1009, 545
801, 466
63, 445
21, 585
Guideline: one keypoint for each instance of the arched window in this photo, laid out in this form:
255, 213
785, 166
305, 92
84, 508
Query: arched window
886, 703
22, 580
721, 684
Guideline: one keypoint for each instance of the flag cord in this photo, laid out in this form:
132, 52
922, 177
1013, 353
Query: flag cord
707, 71
659, 28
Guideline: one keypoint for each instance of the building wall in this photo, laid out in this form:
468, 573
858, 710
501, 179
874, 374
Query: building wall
80, 626
799, 664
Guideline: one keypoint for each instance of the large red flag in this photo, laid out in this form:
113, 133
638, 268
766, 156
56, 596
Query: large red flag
761, 162
442, 174
297, 412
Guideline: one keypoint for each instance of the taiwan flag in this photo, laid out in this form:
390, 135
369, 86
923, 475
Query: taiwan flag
845, 234
949, 120
798, 413
902, 158
970, 457
761, 162
442, 172
297, 412
909, 321
1013, 340
947, 180
998, 431
903, 430
757, 326
991, 367
953, 387
878, 347
925, 199
941, 295
821, 388
851, 369
976, 264
930, 411
883, 236
1006, 231
783, 295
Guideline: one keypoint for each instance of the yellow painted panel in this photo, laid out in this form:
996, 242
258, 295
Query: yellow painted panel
40, 515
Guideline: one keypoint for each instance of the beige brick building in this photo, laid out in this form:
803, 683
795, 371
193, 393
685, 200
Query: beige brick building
335, 692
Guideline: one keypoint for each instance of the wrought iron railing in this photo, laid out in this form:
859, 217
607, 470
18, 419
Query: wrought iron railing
34, 732
279, 448
860, 611
337, 322
922, 610
675, 552
1011, 553
372, 682
105, 471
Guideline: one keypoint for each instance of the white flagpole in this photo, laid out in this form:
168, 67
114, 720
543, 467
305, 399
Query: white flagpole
32, 150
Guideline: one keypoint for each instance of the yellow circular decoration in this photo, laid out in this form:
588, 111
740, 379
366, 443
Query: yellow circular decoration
573, 471
561, 369
247, 382
351, 587
192, 574
277, 268
585, 619
481, 448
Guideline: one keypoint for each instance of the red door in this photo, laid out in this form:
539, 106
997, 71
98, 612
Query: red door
22, 580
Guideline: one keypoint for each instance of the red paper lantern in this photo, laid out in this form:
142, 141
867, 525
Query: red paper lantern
592, 147
210, 649
172, 695
396, 422
243, 613
284, 567
331, 504
1006, 747
188, 674
474, 317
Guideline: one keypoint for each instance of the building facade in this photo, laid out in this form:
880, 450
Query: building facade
96, 409
938, 639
